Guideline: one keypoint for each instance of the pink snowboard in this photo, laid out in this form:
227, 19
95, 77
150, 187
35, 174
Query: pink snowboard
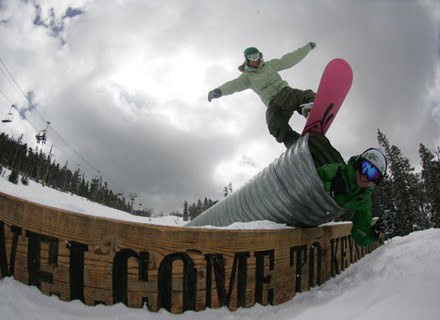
333, 88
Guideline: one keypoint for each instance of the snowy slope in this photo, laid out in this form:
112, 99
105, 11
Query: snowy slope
54, 198
400, 280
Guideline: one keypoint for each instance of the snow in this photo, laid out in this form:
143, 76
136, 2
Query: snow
37, 193
400, 280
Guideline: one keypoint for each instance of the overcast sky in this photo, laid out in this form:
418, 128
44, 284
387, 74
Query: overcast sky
125, 83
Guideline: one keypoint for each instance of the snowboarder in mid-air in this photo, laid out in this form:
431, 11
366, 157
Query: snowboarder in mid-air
280, 99
350, 184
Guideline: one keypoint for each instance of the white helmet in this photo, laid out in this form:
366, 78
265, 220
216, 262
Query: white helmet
376, 158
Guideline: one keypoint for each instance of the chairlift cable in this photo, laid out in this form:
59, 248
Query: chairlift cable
6, 97
6, 76
22, 92
40, 115
74, 161
76, 152
19, 112
9, 78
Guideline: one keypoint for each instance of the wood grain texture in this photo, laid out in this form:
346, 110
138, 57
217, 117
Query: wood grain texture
104, 261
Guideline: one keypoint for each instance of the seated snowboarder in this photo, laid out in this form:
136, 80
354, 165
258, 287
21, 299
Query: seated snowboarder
351, 186
280, 99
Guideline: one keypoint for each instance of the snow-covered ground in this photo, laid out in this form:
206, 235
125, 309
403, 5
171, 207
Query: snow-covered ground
400, 280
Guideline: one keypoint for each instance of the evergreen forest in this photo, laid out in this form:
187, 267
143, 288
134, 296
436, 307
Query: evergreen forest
26, 163
411, 198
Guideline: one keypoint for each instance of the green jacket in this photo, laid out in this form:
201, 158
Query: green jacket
358, 200
265, 80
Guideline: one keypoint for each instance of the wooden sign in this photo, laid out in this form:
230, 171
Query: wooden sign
104, 261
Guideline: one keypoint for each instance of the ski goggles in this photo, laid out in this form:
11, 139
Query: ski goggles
254, 56
366, 168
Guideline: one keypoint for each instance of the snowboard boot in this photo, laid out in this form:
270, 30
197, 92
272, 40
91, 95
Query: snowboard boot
306, 108
290, 138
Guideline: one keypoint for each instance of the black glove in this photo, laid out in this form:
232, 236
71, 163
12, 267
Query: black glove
385, 224
339, 184
213, 94
312, 44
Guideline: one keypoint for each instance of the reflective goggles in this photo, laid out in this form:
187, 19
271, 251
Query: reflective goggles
254, 56
367, 169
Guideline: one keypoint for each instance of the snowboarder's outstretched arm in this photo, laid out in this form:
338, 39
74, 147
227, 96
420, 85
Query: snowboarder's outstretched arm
292, 58
265, 78
214, 94
239, 84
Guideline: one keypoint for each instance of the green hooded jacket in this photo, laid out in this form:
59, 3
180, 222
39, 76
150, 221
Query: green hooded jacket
265, 80
357, 200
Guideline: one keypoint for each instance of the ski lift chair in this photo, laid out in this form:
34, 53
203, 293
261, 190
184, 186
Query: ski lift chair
41, 137
10, 116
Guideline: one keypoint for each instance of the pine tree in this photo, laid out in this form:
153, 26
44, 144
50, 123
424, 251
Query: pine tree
193, 211
76, 181
431, 179
25, 180
13, 177
228, 190
381, 198
185, 211
405, 200
199, 207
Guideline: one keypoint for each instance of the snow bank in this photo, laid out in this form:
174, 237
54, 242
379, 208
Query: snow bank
398, 281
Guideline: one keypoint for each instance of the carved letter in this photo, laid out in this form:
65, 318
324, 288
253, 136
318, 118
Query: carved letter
240, 265
262, 281
34, 262
76, 270
344, 262
316, 247
301, 259
216, 263
4, 272
334, 257
120, 273
355, 253
165, 281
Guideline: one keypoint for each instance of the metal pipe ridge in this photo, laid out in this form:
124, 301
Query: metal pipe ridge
288, 191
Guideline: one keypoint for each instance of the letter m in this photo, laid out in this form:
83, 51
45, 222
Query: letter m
4, 270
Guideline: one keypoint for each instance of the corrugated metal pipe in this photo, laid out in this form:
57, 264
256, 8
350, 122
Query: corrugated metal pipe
287, 191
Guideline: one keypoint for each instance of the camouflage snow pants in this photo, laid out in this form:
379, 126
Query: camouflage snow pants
280, 111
